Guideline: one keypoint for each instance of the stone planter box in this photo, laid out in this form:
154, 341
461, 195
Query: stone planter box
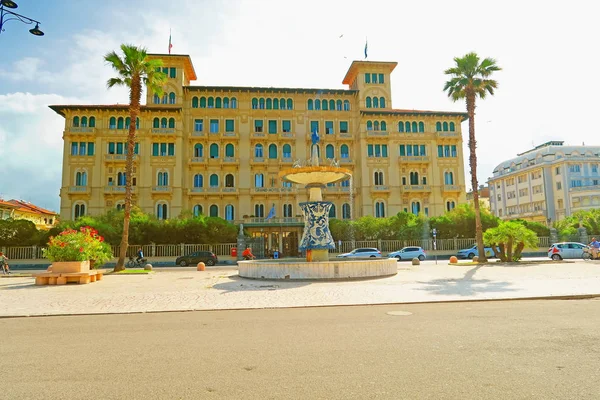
70, 266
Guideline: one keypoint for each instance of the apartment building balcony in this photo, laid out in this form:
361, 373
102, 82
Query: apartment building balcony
117, 189
595, 189
79, 190
197, 160
378, 160
414, 159
259, 135
343, 135
380, 189
447, 135
162, 189
230, 135
346, 161
452, 188
119, 158
230, 161
257, 161
162, 131
82, 129
198, 133
286, 161
371, 133
287, 135
416, 188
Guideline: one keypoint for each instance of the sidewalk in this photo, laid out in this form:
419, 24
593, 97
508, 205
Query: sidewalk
218, 288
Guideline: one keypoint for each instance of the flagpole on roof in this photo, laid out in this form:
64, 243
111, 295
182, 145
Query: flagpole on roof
170, 45
366, 47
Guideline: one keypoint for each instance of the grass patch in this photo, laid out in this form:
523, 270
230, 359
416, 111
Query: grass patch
131, 272
17, 275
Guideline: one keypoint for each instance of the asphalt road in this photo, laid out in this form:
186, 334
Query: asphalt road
485, 350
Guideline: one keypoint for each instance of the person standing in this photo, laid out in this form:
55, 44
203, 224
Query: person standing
595, 247
4, 264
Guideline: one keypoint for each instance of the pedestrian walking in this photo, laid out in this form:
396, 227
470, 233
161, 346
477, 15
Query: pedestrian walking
4, 264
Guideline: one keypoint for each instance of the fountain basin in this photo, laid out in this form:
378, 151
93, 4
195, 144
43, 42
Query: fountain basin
290, 269
315, 175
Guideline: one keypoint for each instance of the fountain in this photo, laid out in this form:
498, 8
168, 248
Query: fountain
316, 239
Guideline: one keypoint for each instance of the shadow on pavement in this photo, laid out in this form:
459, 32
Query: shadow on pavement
466, 286
239, 284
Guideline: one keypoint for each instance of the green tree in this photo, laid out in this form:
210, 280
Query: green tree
509, 239
459, 222
18, 232
469, 79
133, 69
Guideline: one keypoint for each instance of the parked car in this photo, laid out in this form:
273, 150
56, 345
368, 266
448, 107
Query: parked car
408, 253
362, 252
472, 252
559, 251
206, 257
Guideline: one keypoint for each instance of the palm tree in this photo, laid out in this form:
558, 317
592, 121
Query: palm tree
133, 69
469, 80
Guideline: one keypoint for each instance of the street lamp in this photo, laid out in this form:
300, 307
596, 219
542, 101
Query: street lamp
7, 15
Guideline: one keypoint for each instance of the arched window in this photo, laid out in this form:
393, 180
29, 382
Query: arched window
317, 104
332, 211
415, 207
369, 125
255, 103
400, 126
344, 153
127, 121
414, 178
229, 212
450, 205
161, 211
156, 123
287, 151
324, 105
211, 102
287, 211
424, 180
259, 210
338, 105
414, 127
383, 126
329, 151
382, 102
369, 103
163, 178
218, 103
214, 150
269, 104
84, 122
92, 122
156, 99
259, 180
198, 181
380, 209
346, 105
194, 102
378, 175
112, 124
229, 150
171, 122
438, 126
120, 123
346, 183
233, 102
165, 99
346, 211
421, 126
258, 151
332, 105
272, 150
375, 102
445, 127
261, 104
163, 122
120, 206
376, 125
225, 102
203, 102
448, 178
214, 180
197, 210
452, 128
275, 104
282, 104
229, 181
172, 98
79, 210
78, 179
290, 104
121, 179
407, 127
198, 150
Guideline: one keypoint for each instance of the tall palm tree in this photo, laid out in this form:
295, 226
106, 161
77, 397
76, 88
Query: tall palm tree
133, 70
469, 79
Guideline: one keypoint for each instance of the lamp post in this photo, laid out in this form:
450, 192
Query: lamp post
7, 15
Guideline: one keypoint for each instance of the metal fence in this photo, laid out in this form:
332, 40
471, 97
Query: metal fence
224, 249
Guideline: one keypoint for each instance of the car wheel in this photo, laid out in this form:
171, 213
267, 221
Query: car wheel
399, 258
210, 262
556, 257
471, 255
183, 263
372, 256
421, 257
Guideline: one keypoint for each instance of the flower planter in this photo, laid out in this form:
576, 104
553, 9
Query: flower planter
70, 266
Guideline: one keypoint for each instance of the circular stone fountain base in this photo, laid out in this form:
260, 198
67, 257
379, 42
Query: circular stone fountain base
332, 269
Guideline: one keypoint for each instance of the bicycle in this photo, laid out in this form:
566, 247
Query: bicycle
133, 263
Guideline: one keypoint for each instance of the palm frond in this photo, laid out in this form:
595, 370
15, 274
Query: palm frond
115, 82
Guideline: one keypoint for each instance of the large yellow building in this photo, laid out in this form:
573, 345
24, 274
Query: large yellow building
217, 150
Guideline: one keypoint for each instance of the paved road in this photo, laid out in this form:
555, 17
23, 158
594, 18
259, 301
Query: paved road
486, 350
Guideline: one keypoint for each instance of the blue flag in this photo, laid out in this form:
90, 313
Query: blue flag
366, 47
271, 213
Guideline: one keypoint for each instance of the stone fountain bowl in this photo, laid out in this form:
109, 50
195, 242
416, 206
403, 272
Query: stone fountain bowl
313, 175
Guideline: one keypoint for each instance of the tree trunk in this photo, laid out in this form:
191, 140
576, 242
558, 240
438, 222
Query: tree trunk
518, 251
509, 250
473, 164
135, 94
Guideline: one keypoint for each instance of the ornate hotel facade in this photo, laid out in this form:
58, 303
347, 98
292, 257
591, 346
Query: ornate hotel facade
217, 150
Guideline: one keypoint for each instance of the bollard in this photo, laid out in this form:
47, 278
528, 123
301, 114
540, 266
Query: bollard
453, 260
416, 261
148, 267
475, 259
201, 266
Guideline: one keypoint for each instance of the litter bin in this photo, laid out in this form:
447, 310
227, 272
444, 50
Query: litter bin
275, 254
234, 252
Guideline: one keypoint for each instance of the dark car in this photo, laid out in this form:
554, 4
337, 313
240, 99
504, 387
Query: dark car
206, 257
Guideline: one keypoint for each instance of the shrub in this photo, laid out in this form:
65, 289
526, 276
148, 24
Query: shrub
78, 245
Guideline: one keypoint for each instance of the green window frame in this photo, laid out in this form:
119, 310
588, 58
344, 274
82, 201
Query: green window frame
273, 150
381, 80
402, 150
198, 125
171, 149
370, 150
258, 125
111, 148
286, 126
329, 128
343, 126
214, 126
367, 78
422, 150
440, 151
229, 150
120, 149
214, 150
172, 123
453, 151
329, 151
374, 78
229, 125
155, 151
272, 126
90, 148
314, 126
136, 148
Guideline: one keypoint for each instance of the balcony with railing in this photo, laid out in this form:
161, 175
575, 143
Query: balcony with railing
416, 188
381, 188
378, 160
117, 189
258, 135
119, 157
257, 161
442, 135
346, 161
414, 159
343, 135
162, 131
230, 161
198, 133
287, 135
82, 129
451, 188
230, 134
79, 189
162, 189
286, 161
372, 133
197, 160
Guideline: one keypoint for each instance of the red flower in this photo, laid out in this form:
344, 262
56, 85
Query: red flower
100, 238
81, 249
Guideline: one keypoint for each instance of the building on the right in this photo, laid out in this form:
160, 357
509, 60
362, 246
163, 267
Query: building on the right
546, 183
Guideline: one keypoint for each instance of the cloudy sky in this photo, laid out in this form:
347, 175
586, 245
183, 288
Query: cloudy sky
548, 51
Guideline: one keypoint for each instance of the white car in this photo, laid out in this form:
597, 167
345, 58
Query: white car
361, 253
559, 251
408, 253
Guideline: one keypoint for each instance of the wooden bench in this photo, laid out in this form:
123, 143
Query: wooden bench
62, 278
